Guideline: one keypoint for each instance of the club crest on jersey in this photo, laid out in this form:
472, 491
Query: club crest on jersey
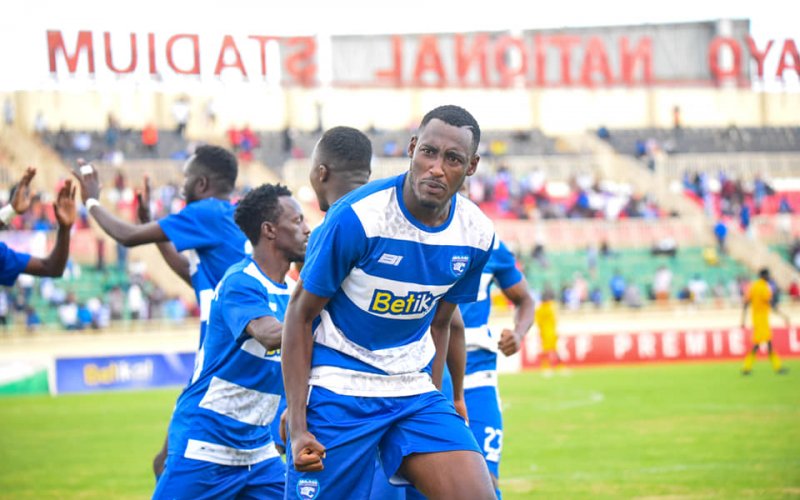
307, 489
458, 264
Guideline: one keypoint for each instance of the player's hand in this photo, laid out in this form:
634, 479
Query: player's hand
461, 408
89, 181
64, 206
307, 453
22, 194
143, 202
282, 425
509, 342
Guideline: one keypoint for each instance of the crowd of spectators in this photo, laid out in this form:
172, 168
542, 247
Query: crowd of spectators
532, 196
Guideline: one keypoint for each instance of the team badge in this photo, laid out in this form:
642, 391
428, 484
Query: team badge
307, 489
458, 264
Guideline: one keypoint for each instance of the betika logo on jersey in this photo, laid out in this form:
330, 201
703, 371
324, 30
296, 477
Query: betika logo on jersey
386, 302
458, 264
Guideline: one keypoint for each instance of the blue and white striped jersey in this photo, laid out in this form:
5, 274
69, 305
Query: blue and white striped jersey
205, 229
384, 273
224, 415
481, 343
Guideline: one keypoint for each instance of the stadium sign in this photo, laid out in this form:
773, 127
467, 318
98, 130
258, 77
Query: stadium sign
654, 346
690, 53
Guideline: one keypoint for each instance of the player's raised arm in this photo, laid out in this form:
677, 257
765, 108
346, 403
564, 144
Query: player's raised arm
54, 264
177, 262
123, 232
296, 348
524, 311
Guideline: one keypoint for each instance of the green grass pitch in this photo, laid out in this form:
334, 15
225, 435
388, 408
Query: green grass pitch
651, 431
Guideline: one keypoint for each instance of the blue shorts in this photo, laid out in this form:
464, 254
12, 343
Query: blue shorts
195, 479
486, 423
352, 428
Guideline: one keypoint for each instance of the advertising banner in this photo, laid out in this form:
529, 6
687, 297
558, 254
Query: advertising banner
140, 371
655, 346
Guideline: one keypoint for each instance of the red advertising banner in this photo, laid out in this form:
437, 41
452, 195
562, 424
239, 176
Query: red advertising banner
654, 346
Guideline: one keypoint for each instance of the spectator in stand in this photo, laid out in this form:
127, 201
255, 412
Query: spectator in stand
81, 142
9, 112
116, 303
698, 288
744, 219
603, 133
32, 319
150, 138
720, 233
180, 113
617, 286
794, 291
662, 283
4, 307
234, 138
68, 313
633, 296
112, 134
39, 124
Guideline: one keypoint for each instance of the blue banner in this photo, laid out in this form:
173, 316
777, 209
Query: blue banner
140, 371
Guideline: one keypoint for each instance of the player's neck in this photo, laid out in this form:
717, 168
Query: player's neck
271, 263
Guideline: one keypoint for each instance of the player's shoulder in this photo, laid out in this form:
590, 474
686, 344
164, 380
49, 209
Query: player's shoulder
476, 225
372, 193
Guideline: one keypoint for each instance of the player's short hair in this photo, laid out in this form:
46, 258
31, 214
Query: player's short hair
763, 273
219, 164
259, 206
345, 149
457, 117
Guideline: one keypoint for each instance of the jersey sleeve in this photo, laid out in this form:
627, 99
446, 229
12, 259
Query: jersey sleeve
334, 249
192, 227
243, 300
505, 267
466, 289
12, 264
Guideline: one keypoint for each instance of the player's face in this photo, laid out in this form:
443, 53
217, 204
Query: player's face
191, 178
291, 230
441, 158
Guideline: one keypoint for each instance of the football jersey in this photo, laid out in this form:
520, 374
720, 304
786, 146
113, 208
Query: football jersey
205, 229
224, 415
481, 342
759, 294
384, 272
11, 264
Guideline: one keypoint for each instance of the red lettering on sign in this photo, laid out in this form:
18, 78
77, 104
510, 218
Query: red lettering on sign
229, 45
300, 65
262, 45
714, 49
465, 58
790, 50
595, 60
629, 59
429, 60
109, 60
757, 55
393, 75
565, 44
195, 69
55, 43
502, 47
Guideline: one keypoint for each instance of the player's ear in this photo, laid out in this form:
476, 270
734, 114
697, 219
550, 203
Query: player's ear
322, 172
473, 164
412, 145
268, 230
